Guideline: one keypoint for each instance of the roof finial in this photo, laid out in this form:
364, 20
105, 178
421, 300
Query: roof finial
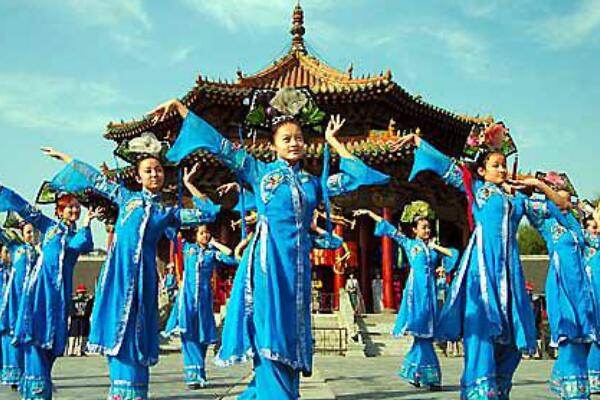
298, 30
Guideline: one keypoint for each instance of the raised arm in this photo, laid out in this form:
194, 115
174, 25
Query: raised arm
77, 176
197, 134
383, 227
550, 193
187, 181
428, 158
83, 242
11, 201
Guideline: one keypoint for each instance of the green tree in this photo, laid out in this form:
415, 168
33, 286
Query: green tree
530, 241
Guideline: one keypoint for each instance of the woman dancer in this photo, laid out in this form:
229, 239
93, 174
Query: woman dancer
592, 269
24, 256
487, 304
41, 326
568, 293
192, 316
268, 317
125, 314
418, 312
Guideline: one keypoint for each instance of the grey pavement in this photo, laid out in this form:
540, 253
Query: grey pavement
349, 378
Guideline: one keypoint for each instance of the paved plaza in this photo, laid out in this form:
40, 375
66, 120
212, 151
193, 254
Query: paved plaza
348, 378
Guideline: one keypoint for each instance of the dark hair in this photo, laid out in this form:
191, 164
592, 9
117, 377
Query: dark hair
142, 158
63, 201
481, 160
281, 123
587, 220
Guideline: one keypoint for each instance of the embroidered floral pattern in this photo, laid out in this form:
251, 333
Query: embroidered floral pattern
11, 375
270, 183
121, 390
594, 378
453, 176
483, 389
557, 231
485, 192
570, 387
33, 388
421, 374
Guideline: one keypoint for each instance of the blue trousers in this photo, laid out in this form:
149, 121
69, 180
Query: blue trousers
128, 378
594, 368
488, 366
36, 383
570, 373
194, 354
421, 364
12, 361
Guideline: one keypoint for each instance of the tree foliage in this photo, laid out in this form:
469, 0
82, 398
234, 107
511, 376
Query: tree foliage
530, 241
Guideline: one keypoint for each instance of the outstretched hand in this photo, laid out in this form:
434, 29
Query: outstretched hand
93, 213
52, 152
159, 113
226, 188
189, 173
360, 212
334, 125
404, 141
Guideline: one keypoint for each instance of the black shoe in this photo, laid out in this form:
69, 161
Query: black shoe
415, 384
14, 387
435, 388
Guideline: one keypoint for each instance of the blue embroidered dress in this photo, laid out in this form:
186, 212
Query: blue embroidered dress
24, 257
125, 314
419, 310
193, 315
268, 314
592, 269
568, 299
487, 303
41, 326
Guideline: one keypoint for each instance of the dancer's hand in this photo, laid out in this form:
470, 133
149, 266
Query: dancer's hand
51, 152
226, 188
159, 113
189, 173
334, 126
92, 214
403, 141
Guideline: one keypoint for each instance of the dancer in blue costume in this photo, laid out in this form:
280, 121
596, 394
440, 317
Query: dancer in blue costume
592, 269
24, 257
568, 293
487, 303
419, 309
192, 316
125, 314
268, 316
41, 326
5, 267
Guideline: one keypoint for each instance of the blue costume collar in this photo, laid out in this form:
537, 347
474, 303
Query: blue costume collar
280, 162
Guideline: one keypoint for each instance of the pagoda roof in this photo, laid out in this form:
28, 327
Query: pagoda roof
297, 68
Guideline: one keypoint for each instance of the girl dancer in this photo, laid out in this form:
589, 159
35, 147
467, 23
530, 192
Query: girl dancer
41, 326
487, 304
418, 312
125, 314
268, 317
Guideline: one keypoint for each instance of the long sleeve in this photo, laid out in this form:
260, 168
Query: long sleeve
326, 240
225, 259
206, 205
82, 242
193, 216
353, 174
78, 176
384, 228
537, 211
197, 134
11, 201
449, 262
428, 158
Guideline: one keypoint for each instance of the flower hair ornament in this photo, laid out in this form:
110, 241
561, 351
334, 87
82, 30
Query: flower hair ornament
417, 210
557, 181
145, 145
486, 138
268, 107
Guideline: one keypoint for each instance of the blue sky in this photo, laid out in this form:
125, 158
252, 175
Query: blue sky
67, 67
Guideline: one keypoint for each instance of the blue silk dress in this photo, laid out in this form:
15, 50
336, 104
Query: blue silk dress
192, 316
125, 314
592, 269
41, 326
24, 256
487, 303
568, 300
418, 312
268, 314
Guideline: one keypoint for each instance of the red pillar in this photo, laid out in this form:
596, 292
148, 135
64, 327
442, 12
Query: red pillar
339, 279
365, 235
387, 263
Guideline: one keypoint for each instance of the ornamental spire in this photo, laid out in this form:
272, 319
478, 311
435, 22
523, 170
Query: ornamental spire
298, 30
